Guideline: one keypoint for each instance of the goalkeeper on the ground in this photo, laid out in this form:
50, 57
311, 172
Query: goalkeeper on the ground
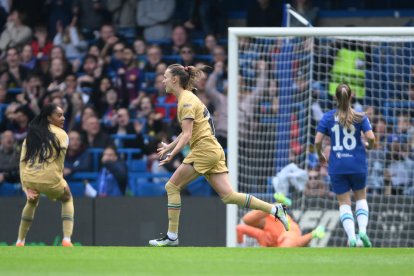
270, 232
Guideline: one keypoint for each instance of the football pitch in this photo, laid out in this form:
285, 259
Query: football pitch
204, 261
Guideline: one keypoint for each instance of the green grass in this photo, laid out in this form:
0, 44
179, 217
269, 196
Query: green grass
204, 260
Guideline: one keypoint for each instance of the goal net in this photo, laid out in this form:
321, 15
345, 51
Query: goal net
281, 81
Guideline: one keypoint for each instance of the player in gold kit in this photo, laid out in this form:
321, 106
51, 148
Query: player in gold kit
41, 169
205, 158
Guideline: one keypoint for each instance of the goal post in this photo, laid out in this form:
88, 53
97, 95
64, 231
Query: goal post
265, 134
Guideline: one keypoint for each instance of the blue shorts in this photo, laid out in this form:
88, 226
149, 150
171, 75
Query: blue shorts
342, 183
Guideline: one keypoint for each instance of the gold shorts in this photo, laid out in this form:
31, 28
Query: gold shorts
207, 157
52, 191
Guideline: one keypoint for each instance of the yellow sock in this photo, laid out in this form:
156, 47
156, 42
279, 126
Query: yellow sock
247, 201
174, 207
27, 218
67, 218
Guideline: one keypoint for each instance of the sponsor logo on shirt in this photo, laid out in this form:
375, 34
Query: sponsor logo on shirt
340, 155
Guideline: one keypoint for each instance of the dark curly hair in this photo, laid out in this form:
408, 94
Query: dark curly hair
40, 141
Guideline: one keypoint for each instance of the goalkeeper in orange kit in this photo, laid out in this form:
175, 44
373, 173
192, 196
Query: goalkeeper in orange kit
270, 232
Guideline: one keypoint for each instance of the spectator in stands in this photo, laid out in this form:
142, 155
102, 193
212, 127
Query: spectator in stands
107, 39
58, 10
154, 57
220, 55
90, 80
33, 93
150, 122
315, 186
15, 73
400, 169
22, 117
264, 13
219, 101
59, 52
92, 15
305, 8
41, 44
109, 107
77, 157
113, 177
9, 115
179, 39
99, 98
187, 55
123, 13
86, 112
129, 78
377, 158
155, 19
160, 98
210, 41
16, 33
202, 12
55, 75
5, 98
70, 84
140, 49
9, 158
93, 135
116, 60
77, 105
124, 125
70, 39
28, 60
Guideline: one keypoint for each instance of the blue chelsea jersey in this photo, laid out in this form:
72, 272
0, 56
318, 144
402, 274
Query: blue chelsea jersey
347, 154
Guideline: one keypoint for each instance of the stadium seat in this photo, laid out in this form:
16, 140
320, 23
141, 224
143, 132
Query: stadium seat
137, 165
200, 187
10, 189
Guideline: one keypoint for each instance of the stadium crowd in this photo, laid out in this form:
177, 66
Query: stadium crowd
103, 62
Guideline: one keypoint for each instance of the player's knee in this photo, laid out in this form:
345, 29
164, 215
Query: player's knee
228, 199
171, 188
67, 195
34, 201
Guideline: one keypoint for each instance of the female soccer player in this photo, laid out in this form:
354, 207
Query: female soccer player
205, 158
347, 160
41, 169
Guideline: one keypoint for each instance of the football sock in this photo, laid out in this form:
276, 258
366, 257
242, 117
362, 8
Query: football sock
172, 236
174, 207
67, 218
27, 218
347, 220
362, 213
248, 201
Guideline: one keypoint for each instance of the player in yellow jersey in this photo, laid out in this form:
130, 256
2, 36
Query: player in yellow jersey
206, 156
41, 169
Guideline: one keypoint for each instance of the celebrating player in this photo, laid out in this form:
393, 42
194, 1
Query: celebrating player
347, 160
205, 158
41, 169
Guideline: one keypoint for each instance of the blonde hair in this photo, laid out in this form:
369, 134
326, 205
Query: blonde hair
346, 115
188, 75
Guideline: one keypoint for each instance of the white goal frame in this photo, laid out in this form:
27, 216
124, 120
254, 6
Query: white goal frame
234, 33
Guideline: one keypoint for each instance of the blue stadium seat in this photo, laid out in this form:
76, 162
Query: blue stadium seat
10, 189
77, 188
200, 187
137, 165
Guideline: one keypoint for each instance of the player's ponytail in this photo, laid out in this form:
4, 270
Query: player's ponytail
346, 115
40, 141
188, 75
